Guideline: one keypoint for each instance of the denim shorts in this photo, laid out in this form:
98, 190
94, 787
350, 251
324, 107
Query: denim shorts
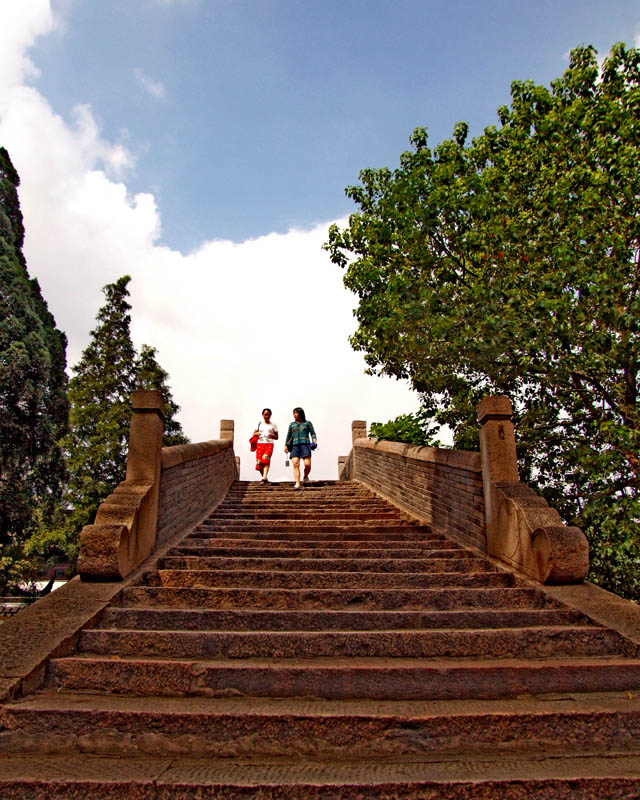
300, 451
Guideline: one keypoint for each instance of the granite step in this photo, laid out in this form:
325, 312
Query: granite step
193, 557
597, 776
460, 563
268, 578
311, 547
441, 599
206, 727
315, 525
329, 620
344, 678
306, 514
524, 643
333, 533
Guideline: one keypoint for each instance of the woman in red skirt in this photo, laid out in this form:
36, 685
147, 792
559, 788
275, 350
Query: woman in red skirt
267, 433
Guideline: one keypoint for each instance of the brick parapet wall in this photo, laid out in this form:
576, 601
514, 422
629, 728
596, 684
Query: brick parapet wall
194, 479
438, 486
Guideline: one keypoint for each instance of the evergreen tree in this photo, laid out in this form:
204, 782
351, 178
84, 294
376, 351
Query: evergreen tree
33, 404
100, 398
150, 375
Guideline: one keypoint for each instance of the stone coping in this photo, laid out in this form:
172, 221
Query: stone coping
181, 453
460, 459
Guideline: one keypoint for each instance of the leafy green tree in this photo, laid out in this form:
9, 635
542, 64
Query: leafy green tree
511, 265
100, 398
150, 375
418, 429
97, 443
33, 404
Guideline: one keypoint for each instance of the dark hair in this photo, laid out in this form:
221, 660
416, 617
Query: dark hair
300, 413
266, 409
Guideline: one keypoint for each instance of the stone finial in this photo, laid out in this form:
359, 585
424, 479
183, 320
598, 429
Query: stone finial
227, 429
148, 401
497, 439
358, 430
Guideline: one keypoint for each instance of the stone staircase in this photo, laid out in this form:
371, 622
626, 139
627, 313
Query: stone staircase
318, 644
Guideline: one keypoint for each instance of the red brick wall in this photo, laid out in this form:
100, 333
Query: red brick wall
438, 486
195, 478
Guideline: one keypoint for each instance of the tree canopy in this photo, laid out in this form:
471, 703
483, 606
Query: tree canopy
510, 265
33, 404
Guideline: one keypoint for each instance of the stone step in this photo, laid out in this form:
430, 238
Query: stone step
442, 599
364, 503
310, 547
286, 564
330, 526
524, 643
345, 678
595, 776
331, 553
282, 579
252, 727
330, 620
305, 514
286, 534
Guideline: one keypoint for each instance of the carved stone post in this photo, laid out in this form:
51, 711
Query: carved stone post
124, 531
358, 430
227, 429
522, 529
497, 451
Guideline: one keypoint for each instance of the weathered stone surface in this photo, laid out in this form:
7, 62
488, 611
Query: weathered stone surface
274, 655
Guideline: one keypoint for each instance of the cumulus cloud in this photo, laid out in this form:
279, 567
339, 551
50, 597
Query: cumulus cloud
238, 326
153, 88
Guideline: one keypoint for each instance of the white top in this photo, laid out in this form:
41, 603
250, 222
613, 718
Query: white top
266, 432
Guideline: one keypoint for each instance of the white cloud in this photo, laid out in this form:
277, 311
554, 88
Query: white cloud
22, 23
154, 88
238, 326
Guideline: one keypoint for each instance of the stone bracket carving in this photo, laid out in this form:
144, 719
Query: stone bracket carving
530, 536
111, 547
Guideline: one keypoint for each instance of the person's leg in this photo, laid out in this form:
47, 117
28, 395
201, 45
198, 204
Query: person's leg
265, 471
307, 467
296, 469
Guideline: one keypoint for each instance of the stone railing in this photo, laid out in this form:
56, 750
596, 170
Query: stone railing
140, 513
440, 487
195, 478
476, 497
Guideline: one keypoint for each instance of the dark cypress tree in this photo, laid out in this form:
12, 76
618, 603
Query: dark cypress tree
33, 404
150, 375
100, 398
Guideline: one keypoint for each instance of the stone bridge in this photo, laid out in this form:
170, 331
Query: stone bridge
419, 628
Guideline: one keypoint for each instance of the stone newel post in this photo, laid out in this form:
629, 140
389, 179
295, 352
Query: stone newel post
124, 531
497, 450
358, 430
226, 429
522, 530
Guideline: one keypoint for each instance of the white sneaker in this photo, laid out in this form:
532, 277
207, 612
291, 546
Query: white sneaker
297, 486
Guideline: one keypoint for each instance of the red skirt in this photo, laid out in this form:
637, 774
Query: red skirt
263, 455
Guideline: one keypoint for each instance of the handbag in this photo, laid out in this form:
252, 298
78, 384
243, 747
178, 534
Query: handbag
253, 441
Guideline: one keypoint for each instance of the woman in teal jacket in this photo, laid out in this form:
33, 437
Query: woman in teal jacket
298, 444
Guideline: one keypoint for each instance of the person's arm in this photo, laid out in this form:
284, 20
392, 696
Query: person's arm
312, 432
289, 440
275, 432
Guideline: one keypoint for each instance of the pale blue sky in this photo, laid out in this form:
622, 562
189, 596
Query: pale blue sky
257, 113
